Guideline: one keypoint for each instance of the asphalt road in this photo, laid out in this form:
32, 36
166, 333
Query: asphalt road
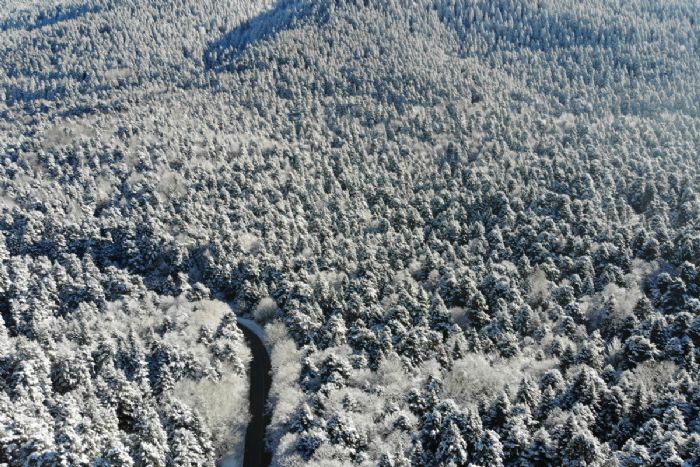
256, 454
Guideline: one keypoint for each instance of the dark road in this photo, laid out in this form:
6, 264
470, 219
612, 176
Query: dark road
256, 454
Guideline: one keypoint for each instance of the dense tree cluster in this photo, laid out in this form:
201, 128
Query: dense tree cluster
96, 368
471, 227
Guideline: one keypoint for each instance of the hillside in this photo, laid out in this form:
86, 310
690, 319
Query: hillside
471, 229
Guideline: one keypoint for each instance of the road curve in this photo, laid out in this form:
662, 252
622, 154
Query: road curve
256, 454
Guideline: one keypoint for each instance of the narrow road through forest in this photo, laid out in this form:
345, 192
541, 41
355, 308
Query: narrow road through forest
256, 454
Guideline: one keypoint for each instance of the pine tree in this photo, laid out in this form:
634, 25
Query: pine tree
498, 412
151, 448
516, 438
638, 349
453, 449
489, 450
613, 408
643, 309
332, 333
528, 393
583, 449
186, 449
542, 450
634, 455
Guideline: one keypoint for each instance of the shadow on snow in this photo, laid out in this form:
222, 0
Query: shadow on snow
222, 54
24, 19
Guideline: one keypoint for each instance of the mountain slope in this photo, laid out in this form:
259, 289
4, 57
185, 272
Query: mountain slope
471, 228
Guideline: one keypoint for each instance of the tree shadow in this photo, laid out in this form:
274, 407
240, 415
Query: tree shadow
29, 20
222, 54
562, 30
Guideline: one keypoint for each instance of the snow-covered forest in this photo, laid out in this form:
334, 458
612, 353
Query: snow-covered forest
471, 229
